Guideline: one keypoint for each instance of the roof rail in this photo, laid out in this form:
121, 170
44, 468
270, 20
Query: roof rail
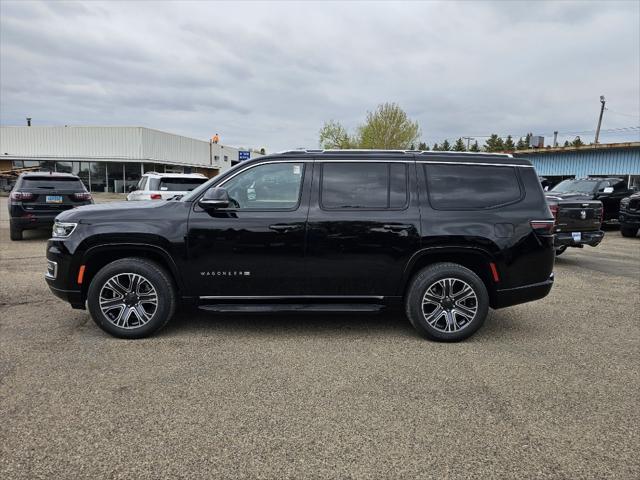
365, 151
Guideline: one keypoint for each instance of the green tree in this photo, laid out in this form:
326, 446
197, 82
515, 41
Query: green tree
436, 147
520, 145
446, 146
508, 144
474, 147
494, 144
566, 143
459, 146
388, 127
577, 142
527, 140
334, 135
422, 146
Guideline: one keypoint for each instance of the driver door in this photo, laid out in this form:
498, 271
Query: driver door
254, 248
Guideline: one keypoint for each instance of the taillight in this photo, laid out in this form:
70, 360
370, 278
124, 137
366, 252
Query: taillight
554, 211
156, 196
22, 196
82, 196
543, 226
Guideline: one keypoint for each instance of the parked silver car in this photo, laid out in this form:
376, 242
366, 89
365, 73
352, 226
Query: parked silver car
163, 186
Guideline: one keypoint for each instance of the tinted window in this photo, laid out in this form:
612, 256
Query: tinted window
267, 187
52, 182
578, 186
180, 184
364, 185
469, 187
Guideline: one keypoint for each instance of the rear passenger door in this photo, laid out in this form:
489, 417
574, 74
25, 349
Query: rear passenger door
362, 228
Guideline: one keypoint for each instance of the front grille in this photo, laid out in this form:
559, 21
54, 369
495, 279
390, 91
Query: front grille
634, 204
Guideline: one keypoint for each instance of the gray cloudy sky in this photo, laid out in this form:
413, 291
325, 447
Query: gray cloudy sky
269, 74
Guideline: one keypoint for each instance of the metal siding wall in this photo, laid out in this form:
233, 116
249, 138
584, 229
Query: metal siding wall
583, 164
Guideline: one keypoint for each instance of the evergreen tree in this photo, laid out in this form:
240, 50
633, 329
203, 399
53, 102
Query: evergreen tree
413, 147
459, 146
577, 142
446, 146
494, 144
527, 140
566, 143
436, 147
474, 147
520, 145
508, 144
423, 146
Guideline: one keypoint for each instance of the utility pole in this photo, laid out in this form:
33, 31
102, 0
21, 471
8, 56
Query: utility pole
555, 138
468, 139
602, 101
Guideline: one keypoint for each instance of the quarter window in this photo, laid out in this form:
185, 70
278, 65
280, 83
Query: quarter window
364, 185
471, 187
267, 187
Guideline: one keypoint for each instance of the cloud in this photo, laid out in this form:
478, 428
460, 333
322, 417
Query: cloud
269, 74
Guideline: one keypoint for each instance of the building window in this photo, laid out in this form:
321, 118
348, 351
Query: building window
64, 167
131, 175
216, 158
98, 177
226, 158
115, 182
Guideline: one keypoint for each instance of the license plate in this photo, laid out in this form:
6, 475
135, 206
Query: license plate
54, 198
577, 236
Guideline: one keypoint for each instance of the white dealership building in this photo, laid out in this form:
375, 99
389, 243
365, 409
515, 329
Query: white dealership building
110, 159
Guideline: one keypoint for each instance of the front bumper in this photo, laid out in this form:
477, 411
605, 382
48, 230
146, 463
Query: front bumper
527, 293
629, 219
566, 239
61, 273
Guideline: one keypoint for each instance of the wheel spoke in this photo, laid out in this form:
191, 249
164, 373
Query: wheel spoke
128, 300
449, 304
466, 312
109, 304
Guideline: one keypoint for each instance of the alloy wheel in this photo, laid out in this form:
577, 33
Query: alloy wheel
449, 305
128, 300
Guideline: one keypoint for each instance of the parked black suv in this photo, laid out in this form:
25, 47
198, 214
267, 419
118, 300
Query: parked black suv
630, 215
38, 197
578, 221
444, 235
610, 191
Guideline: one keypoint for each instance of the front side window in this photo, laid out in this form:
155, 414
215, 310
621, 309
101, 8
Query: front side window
266, 187
364, 185
471, 187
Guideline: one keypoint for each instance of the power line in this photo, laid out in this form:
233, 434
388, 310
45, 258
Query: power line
582, 132
635, 115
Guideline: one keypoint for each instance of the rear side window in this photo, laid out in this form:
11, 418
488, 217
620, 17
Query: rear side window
471, 187
180, 184
52, 183
363, 185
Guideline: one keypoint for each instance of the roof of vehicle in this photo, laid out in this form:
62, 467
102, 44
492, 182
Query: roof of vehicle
453, 157
176, 175
48, 174
597, 179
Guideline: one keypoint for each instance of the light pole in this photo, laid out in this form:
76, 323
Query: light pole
602, 101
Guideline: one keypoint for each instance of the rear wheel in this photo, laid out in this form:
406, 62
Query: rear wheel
560, 250
15, 233
628, 231
447, 302
131, 298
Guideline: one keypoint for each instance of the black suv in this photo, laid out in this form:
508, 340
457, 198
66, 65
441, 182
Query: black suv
630, 215
38, 197
610, 191
446, 236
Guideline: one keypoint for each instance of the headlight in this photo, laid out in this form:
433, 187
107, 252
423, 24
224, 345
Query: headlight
63, 230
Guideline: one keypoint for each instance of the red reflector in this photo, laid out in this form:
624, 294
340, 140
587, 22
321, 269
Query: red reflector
494, 272
80, 274
542, 226
156, 196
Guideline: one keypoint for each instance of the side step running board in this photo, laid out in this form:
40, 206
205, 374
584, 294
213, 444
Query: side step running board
291, 307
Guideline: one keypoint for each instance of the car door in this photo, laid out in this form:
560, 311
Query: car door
255, 247
362, 228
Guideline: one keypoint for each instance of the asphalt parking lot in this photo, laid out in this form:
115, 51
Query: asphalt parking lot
545, 390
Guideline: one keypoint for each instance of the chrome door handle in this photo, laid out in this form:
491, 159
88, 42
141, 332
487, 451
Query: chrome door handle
397, 227
279, 227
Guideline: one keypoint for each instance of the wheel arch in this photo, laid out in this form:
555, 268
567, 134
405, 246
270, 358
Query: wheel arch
476, 259
96, 257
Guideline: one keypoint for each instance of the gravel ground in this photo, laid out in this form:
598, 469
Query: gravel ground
545, 390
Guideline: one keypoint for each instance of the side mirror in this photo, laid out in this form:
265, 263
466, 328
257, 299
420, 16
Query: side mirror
214, 198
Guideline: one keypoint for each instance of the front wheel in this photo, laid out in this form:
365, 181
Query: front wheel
628, 231
447, 302
131, 298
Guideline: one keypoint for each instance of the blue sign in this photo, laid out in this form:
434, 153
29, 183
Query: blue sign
244, 155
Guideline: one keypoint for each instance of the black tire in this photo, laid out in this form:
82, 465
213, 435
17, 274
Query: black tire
427, 280
628, 231
136, 268
560, 250
15, 233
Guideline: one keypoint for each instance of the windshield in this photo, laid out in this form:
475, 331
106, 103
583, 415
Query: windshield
580, 186
51, 183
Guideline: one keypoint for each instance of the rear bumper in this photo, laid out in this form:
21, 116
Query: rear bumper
34, 221
629, 219
565, 239
527, 293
